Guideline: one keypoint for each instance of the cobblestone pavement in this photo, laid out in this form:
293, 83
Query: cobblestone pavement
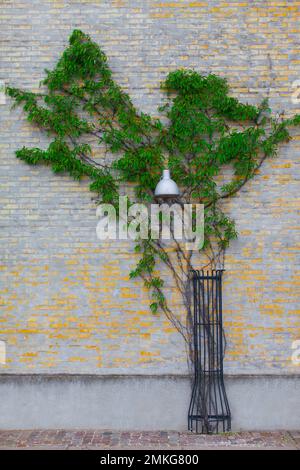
96, 439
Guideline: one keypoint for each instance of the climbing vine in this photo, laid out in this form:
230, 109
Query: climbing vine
207, 131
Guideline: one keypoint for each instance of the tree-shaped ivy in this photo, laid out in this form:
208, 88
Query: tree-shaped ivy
206, 131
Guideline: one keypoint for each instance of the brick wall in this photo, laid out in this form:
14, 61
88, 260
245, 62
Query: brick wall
67, 302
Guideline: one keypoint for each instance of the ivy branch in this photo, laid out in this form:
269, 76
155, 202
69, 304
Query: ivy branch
206, 131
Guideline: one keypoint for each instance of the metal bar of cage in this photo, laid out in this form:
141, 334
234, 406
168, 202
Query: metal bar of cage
209, 410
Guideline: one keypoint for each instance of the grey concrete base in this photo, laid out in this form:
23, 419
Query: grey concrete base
141, 403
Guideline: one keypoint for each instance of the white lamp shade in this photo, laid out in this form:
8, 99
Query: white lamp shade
166, 186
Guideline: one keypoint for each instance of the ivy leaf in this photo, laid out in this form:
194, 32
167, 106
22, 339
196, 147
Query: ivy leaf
154, 307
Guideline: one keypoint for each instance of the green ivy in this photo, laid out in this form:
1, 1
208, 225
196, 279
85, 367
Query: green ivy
206, 129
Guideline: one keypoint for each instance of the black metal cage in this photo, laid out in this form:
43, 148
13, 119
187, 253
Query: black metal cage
209, 409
